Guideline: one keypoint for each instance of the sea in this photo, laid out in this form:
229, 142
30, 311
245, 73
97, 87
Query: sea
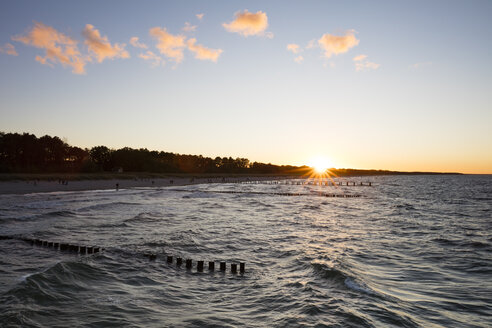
406, 251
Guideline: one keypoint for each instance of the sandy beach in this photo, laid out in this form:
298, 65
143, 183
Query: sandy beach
36, 186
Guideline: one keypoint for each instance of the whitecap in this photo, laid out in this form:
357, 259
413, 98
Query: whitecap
357, 287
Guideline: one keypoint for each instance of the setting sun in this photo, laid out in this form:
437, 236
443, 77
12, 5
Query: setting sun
320, 164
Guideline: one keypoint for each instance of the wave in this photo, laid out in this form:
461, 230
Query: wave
359, 287
339, 277
144, 217
58, 214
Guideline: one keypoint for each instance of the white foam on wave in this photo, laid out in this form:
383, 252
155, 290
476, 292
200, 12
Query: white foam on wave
357, 287
24, 277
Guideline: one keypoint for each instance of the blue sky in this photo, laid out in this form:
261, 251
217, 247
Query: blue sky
418, 98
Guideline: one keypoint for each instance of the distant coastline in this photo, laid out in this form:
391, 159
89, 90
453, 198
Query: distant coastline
25, 157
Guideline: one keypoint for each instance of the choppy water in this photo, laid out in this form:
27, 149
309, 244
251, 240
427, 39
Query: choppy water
410, 252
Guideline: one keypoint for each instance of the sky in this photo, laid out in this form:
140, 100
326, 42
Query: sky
395, 85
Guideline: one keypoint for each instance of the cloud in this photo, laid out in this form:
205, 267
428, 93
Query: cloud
199, 16
202, 52
420, 65
169, 45
153, 58
360, 57
189, 28
134, 42
361, 63
59, 47
311, 44
8, 49
299, 59
247, 24
333, 44
100, 47
293, 47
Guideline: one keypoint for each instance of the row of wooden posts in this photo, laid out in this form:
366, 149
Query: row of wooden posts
83, 250
199, 264
64, 247
320, 194
306, 182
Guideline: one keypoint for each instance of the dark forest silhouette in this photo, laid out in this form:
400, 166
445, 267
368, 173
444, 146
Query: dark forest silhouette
25, 153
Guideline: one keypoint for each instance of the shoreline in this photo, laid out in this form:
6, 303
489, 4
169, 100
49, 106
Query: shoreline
41, 186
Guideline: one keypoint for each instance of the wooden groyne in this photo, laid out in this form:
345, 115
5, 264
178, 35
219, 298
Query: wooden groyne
292, 194
85, 250
323, 183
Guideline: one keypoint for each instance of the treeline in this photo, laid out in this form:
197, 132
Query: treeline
25, 153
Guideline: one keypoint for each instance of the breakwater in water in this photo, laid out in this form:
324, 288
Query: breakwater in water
406, 252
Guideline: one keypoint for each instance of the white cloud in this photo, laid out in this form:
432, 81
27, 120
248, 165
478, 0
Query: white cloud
100, 47
171, 46
299, 59
59, 47
246, 24
294, 48
202, 52
333, 44
8, 49
134, 42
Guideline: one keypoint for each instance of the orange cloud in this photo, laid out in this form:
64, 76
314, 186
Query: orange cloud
247, 24
299, 59
293, 47
199, 16
362, 64
134, 42
100, 47
153, 58
202, 52
333, 44
169, 45
360, 57
189, 28
8, 49
59, 47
